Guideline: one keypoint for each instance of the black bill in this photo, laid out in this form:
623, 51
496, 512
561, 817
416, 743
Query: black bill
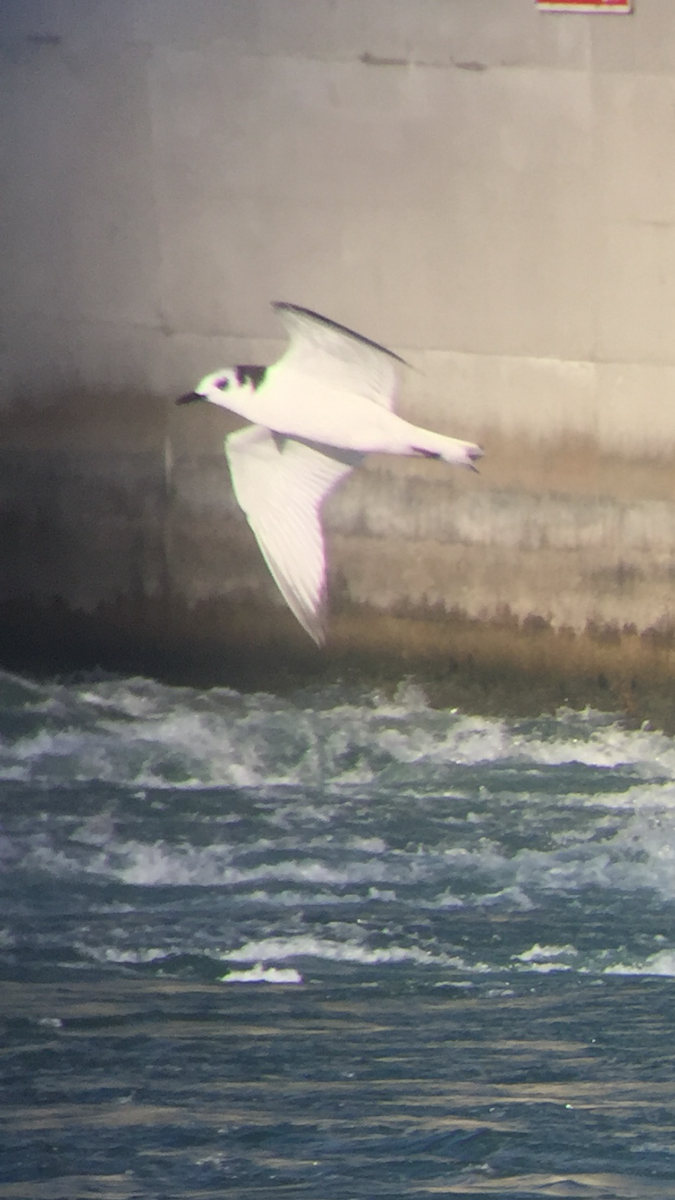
190, 398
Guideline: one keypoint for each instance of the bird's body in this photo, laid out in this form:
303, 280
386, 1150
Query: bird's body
330, 416
314, 414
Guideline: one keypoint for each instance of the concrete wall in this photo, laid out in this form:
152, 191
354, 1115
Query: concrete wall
487, 189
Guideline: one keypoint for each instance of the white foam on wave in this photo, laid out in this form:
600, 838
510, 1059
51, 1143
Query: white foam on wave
296, 899
636, 852
631, 849
606, 744
114, 954
512, 899
275, 949
222, 864
161, 864
262, 974
139, 731
538, 953
144, 733
258, 960
661, 963
150, 736
545, 959
623, 843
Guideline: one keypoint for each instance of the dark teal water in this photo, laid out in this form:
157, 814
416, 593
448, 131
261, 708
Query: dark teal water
331, 946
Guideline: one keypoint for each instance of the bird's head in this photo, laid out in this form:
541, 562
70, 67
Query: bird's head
214, 387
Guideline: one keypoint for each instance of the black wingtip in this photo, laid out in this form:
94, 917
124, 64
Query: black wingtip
284, 306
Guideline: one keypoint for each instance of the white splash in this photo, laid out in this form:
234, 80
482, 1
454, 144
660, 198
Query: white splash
262, 974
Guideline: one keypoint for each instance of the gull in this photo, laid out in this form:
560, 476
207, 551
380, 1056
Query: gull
314, 415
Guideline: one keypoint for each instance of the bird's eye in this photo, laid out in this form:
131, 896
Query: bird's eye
222, 384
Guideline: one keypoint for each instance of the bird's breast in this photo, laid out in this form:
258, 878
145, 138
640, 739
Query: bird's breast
301, 407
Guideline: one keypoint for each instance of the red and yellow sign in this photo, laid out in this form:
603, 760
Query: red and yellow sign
585, 6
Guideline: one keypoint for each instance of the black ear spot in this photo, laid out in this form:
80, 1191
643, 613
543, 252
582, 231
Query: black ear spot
222, 384
249, 374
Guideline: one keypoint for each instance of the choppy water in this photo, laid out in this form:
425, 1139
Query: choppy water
333, 946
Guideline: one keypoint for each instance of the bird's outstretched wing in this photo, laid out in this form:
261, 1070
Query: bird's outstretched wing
280, 484
334, 354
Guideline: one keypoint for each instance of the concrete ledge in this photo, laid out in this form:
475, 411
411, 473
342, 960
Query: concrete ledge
501, 666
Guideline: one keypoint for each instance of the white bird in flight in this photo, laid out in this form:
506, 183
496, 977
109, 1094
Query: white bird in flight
315, 413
